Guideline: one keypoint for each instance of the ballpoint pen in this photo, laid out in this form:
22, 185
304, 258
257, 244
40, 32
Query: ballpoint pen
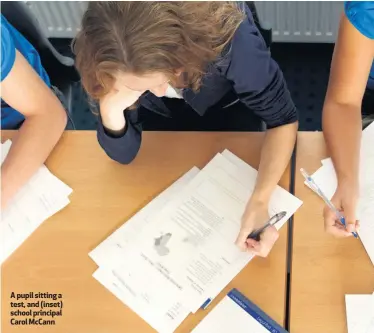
328, 202
255, 234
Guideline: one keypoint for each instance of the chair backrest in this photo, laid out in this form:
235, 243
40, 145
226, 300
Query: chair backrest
265, 32
20, 17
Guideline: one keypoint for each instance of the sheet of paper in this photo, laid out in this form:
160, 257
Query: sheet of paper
163, 319
191, 243
41, 197
326, 179
360, 313
235, 313
109, 253
281, 200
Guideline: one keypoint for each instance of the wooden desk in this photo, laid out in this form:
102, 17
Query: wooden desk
55, 257
324, 269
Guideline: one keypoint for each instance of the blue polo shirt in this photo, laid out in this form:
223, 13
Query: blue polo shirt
12, 40
361, 15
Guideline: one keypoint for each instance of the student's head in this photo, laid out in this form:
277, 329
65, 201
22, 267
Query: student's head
148, 45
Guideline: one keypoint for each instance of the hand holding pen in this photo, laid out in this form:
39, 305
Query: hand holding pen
335, 221
257, 234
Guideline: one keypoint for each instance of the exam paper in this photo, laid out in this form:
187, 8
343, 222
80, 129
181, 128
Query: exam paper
109, 253
360, 313
41, 197
190, 245
163, 319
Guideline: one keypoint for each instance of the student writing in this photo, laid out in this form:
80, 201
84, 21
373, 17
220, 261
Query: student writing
200, 53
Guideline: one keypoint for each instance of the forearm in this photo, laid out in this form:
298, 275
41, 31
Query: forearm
275, 155
30, 148
342, 131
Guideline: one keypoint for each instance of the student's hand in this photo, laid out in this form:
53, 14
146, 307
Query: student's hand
113, 105
344, 199
254, 217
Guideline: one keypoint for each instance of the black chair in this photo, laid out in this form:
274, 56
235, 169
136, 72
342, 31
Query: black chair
265, 31
20, 16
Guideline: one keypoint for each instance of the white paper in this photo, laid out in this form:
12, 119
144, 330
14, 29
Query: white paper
41, 197
360, 313
326, 179
163, 320
190, 246
109, 253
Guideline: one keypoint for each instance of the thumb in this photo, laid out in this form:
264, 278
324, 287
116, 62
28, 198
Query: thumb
350, 217
241, 240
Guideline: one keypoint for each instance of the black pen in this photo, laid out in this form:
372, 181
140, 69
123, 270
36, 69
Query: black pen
255, 234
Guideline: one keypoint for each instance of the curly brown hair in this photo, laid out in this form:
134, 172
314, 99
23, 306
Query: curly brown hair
142, 37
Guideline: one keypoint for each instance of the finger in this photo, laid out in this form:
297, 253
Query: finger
338, 231
329, 217
268, 239
350, 216
251, 243
351, 226
241, 239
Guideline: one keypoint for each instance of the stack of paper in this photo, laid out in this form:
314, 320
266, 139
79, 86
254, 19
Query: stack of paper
326, 179
360, 313
41, 197
178, 252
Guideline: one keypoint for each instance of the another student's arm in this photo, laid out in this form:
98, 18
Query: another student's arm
119, 132
45, 120
342, 125
260, 85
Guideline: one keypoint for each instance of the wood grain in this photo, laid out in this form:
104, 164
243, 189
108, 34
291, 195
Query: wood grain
54, 259
324, 269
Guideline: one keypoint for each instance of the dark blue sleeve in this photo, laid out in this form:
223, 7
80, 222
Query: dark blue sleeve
361, 15
122, 149
8, 51
257, 78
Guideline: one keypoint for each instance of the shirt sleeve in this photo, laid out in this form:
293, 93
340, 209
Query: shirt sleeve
257, 78
8, 51
361, 15
125, 148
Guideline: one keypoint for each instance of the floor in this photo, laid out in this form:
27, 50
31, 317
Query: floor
305, 67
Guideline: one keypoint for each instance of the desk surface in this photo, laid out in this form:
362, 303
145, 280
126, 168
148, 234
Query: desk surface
324, 269
55, 257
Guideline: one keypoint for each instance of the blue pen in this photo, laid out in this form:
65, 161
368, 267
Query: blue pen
316, 189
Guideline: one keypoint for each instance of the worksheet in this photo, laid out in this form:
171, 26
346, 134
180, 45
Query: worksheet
163, 319
190, 245
109, 253
41, 197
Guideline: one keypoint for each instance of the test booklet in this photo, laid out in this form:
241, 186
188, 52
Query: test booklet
360, 313
235, 313
325, 178
184, 242
40, 198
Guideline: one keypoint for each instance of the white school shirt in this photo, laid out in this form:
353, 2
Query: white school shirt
173, 92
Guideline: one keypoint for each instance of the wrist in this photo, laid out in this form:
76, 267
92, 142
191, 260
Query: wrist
114, 121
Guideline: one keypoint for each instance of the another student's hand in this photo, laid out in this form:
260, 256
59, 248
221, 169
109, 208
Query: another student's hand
113, 105
344, 199
254, 217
